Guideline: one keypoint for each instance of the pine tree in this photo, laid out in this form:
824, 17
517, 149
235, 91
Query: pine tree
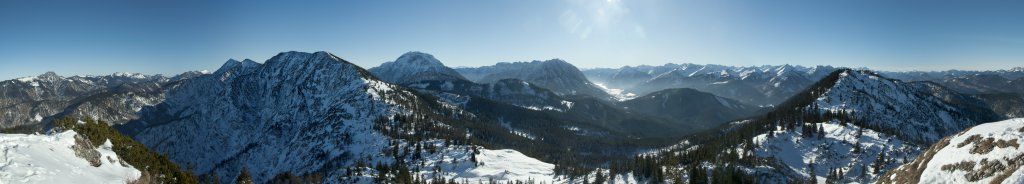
403, 175
810, 171
472, 157
863, 173
828, 177
697, 175
821, 131
839, 175
599, 177
879, 163
243, 177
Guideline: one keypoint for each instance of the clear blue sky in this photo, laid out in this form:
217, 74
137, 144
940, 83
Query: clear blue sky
105, 36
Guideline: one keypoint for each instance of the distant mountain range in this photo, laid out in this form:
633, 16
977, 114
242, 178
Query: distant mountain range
764, 85
767, 85
316, 117
36, 101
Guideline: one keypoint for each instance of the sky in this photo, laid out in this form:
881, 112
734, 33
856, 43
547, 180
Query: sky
169, 37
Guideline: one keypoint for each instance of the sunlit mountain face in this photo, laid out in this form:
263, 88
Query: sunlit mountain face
566, 91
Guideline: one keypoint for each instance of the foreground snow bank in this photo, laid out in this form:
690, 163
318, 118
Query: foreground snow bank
51, 159
987, 153
499, 165
509, 164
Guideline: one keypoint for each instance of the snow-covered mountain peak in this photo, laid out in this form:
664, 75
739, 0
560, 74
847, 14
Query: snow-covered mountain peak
418, 58
297, 112
231, 63
413, 67
893, 104
556, 62
234, 67
49, 76
299, 59
785, 70
1017, 69
130, 75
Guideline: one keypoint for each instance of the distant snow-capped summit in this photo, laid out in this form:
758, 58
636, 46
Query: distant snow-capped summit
414, 67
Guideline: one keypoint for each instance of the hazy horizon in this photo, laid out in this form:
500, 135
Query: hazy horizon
491, 64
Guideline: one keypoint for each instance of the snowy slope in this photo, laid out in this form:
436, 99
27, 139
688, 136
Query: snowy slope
51, 159
413, 67
500, 165
848, 148
885, 106
987, 153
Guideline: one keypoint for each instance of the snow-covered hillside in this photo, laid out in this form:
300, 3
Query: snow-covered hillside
852, 121
847, 148
884, 107
987, 153
499, 165
60, 158
893, 104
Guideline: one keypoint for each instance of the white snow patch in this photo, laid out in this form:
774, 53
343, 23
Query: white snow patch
27, 79
1008, 130
50, 159
567, 104
507, 164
